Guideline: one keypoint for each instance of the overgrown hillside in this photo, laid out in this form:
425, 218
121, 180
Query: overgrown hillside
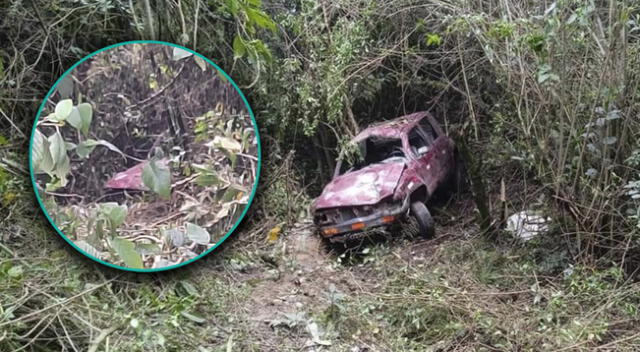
545, 96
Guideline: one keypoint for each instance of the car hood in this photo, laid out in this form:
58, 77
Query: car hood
363, 187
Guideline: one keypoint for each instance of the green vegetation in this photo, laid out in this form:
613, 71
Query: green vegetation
548, 94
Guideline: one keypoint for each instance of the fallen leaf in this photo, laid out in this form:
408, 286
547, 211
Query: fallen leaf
274, 234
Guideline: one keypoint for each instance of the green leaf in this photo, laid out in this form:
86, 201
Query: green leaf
193, 318
157, 177
65, 87
197, 234
127, 252
100, 228
54, 184
115, 213
232, 6
228, 144
189, 287
174, 236
15, 271
179, 54
69, 146
433, 39
261, 19
42, 160
148, 248
85, 147
87, 248
63, 109
110, 147
86, 114
246, 138
231, 194
239, 49
262, 50
118, 215
57, 148
74, 119
62, 170
206, 180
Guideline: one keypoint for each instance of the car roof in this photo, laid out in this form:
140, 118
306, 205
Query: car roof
394, 128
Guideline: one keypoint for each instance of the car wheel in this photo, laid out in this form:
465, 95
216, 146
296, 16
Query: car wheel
425, 222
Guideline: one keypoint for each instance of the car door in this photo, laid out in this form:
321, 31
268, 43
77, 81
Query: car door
431, 154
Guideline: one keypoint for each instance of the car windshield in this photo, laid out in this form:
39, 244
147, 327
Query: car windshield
372, 150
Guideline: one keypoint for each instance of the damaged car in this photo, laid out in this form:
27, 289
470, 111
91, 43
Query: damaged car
386, 175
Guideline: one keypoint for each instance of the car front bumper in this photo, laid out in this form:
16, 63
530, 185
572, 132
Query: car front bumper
358, 227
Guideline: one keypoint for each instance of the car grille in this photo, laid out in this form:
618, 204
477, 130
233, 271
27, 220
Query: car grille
340, 215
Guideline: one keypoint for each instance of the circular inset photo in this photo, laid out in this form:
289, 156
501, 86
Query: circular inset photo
145, 156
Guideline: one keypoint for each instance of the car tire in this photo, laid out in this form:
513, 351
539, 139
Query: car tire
422, 215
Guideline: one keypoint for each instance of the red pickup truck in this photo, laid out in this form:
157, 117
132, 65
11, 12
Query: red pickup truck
389, 172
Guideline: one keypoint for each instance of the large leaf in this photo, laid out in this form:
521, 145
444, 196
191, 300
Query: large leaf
65, 87
62, 170
84, 148
115, 213
86, 114
126, 250
63, 109
239, 49
174, 236
157, 177
197, 234
228, 144
261, 19
74, 119
57, 148
41, 155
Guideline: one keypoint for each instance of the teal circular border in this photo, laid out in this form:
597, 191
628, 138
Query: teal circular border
224, 238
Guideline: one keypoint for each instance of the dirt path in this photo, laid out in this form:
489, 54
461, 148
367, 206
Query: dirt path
307, 272
309, 275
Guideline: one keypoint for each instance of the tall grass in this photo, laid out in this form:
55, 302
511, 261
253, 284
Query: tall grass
570, 83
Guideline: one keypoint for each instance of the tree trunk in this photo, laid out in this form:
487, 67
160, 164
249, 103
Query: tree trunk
478, 186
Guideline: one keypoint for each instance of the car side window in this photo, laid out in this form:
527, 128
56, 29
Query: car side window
428, 129
419, 141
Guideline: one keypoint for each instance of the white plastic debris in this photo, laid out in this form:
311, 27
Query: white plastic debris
527, 225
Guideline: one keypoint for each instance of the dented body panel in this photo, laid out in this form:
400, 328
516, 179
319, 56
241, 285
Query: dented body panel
379, 194
362, 187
